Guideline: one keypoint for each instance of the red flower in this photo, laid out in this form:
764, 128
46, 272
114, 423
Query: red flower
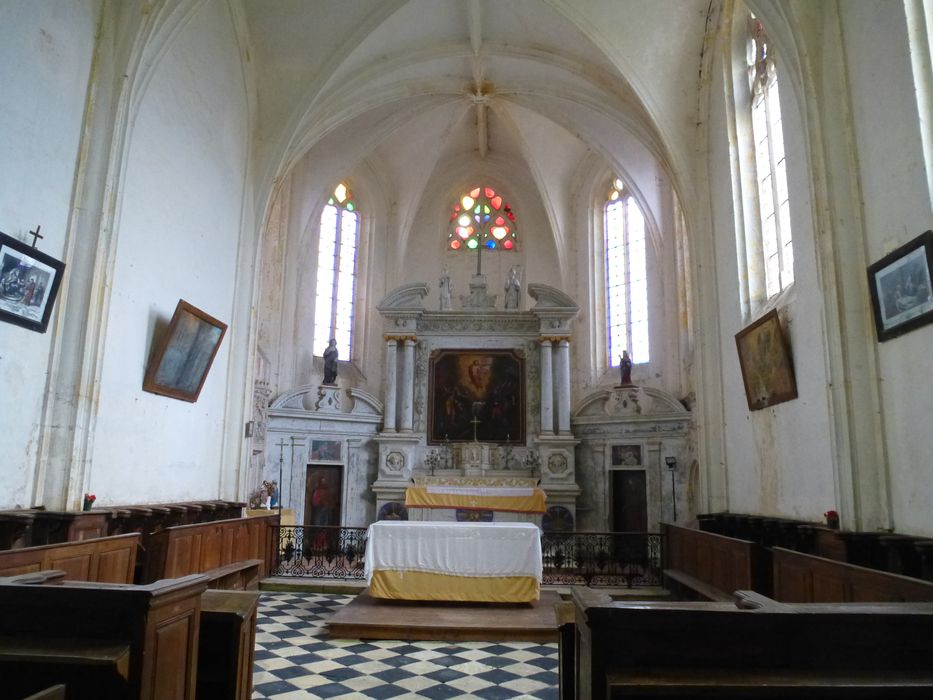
830, 515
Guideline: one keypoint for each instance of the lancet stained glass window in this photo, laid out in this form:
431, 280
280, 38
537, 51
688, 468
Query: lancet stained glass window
482, 218
336, 273
626, 276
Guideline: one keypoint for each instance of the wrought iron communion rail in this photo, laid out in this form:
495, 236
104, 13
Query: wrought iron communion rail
617, 559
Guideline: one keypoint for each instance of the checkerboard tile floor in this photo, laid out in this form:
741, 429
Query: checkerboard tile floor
294, 659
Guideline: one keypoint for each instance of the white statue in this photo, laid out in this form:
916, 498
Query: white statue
445, 290
513, 288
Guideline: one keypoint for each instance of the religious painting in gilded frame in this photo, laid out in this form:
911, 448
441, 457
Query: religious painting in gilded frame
476, 395
29, 282
182, 359
901, 288
765, 359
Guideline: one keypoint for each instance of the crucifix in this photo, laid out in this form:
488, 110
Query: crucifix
36, 236
476, 421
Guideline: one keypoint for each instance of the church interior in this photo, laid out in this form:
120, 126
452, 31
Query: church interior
617, 266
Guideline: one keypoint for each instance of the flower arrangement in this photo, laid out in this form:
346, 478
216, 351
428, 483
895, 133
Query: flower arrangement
89, 499
832, 518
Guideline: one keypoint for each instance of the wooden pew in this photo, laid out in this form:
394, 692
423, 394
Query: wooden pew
234, 554
105, 560
702, 565
143, 639
756, 648
227, 645
803, 578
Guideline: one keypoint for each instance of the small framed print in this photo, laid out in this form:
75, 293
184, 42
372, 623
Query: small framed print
29, 282
625, 456
901, 288
325, 451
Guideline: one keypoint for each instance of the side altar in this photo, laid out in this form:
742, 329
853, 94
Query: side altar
477, 409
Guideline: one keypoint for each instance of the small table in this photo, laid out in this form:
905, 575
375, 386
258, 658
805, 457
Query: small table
469, 562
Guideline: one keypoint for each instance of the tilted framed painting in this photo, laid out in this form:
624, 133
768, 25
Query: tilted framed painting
767, 366
29, 282
181, 361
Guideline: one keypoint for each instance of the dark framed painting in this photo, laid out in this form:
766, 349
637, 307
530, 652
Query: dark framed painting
325, 450
323, 495
901, 288
185, 353
29, 282
625, 455
476, 395
767, 366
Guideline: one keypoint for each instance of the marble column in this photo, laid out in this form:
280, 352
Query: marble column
563, 387
547, 388
408, 384
388, 423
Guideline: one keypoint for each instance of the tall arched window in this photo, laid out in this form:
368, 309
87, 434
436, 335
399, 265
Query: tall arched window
336, 273
482, 218
626, 276
777, 251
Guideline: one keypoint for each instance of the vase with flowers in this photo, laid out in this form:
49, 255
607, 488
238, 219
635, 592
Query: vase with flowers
832, 519
89, 499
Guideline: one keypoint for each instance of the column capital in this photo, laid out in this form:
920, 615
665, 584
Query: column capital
400, 338
552, 338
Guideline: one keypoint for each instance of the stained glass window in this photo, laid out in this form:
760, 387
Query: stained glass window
771, 171
336, 273
626, 276
482, 218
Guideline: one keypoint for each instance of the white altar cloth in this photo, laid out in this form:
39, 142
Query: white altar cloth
475, 550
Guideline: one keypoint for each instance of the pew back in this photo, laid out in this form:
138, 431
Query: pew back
804, 578
693, 649
105, 560
159, 623
212, 546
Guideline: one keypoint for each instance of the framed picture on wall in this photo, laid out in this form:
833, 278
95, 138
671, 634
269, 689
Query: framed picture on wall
625, 455
901, 288
767, 367
29, 282
184, 356
476, 394
325, 450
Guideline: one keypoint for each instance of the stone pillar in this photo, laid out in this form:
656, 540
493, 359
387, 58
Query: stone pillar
547, 388
563, 387
408, 384
388, 423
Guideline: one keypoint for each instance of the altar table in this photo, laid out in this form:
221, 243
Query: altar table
476, 562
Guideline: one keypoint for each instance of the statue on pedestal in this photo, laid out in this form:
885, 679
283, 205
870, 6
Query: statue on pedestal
330, 362
445, 290
625, 367
513, 288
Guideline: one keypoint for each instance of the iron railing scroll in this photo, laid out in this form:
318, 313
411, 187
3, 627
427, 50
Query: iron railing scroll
617, 559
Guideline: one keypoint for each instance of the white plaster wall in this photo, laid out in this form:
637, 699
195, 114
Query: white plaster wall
897, 208
778, 459
177, 234
49, 44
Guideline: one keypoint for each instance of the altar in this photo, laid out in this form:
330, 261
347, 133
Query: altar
468, 562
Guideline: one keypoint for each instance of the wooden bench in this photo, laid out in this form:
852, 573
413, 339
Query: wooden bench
227, 644
756, 648
804, 578
55, 620
233, 553
706, 566
104, 560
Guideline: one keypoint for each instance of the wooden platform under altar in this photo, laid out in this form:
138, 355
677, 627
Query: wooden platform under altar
370, 618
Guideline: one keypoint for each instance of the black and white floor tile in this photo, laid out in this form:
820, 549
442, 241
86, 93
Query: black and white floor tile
295, 659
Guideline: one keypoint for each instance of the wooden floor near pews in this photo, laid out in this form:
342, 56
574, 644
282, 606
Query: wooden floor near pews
366, 617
